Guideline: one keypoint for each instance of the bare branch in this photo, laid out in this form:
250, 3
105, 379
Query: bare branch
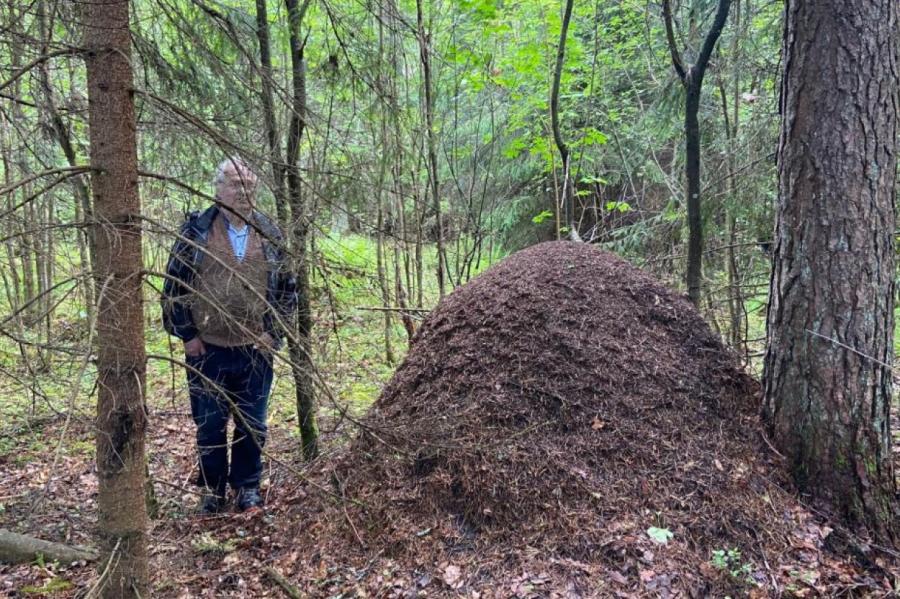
673, 45
72, 170
713, 36
38, 61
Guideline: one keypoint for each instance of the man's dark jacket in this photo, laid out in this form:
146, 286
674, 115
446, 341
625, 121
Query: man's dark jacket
189, 251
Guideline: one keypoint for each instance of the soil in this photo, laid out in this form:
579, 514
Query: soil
564, 425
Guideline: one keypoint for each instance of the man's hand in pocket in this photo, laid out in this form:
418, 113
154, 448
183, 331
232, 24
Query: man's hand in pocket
194, 347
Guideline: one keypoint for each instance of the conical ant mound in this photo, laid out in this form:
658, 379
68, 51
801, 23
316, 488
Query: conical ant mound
561, 397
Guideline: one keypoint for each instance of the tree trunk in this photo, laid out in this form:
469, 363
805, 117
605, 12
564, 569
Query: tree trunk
300, 345
13, 295
385, 143
424, 39
121, 362
382, 270
268, 104
830, 319
691, 76
692, 189
568, 193
735, 297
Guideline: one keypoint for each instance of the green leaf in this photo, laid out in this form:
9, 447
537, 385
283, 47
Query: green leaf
538, 219
660, 536
618, 206
515, 147
593, 137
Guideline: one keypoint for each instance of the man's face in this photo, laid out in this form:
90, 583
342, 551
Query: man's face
237, 189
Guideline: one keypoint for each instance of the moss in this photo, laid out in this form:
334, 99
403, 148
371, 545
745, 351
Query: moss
871, 467
54, 585
840, 461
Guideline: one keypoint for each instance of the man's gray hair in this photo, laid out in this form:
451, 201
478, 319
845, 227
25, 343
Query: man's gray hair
238, 164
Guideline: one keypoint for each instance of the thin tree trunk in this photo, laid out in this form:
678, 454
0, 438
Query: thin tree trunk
394, 137
419, 251
14, 293
40, 265
25, 239
424, 39
301, 346
831, 312
268, 104
32, 244
694, 275
61, 133
568, 194
738, 341
121, 362
382, 274
382, 175
50, 264
691, 77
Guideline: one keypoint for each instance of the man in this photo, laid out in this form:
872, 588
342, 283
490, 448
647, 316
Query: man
227, 293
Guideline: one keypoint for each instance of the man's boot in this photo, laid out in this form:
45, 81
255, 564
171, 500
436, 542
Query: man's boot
211, 502
248, 498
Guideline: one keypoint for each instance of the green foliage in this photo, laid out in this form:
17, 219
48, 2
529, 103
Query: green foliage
618, 206
541, 217
206, 543
660, 536
731, 562
52, 586
198, 85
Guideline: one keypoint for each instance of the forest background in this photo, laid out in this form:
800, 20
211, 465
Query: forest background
367, 199
404, 147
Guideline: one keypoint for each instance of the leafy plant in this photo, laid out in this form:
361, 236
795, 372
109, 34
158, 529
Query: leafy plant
539, 218
660, 536
730, 561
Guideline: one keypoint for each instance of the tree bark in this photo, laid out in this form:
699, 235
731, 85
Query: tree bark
268, 103
424, 39
300, 345
121, 362
385, 143
568, 196
691, 77
830, 318
21, 549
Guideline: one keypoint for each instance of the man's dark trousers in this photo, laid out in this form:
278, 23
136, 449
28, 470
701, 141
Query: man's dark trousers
222, 382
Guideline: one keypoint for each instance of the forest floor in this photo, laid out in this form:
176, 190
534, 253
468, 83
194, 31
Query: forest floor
501, 461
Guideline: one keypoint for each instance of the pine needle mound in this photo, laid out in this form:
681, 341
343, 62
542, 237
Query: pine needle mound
558, 396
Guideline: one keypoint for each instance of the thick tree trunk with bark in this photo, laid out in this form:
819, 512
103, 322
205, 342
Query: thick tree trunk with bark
830, 319
121, 415
121, 362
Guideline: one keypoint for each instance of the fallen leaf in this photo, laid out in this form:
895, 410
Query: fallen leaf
660, 536
452, 575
